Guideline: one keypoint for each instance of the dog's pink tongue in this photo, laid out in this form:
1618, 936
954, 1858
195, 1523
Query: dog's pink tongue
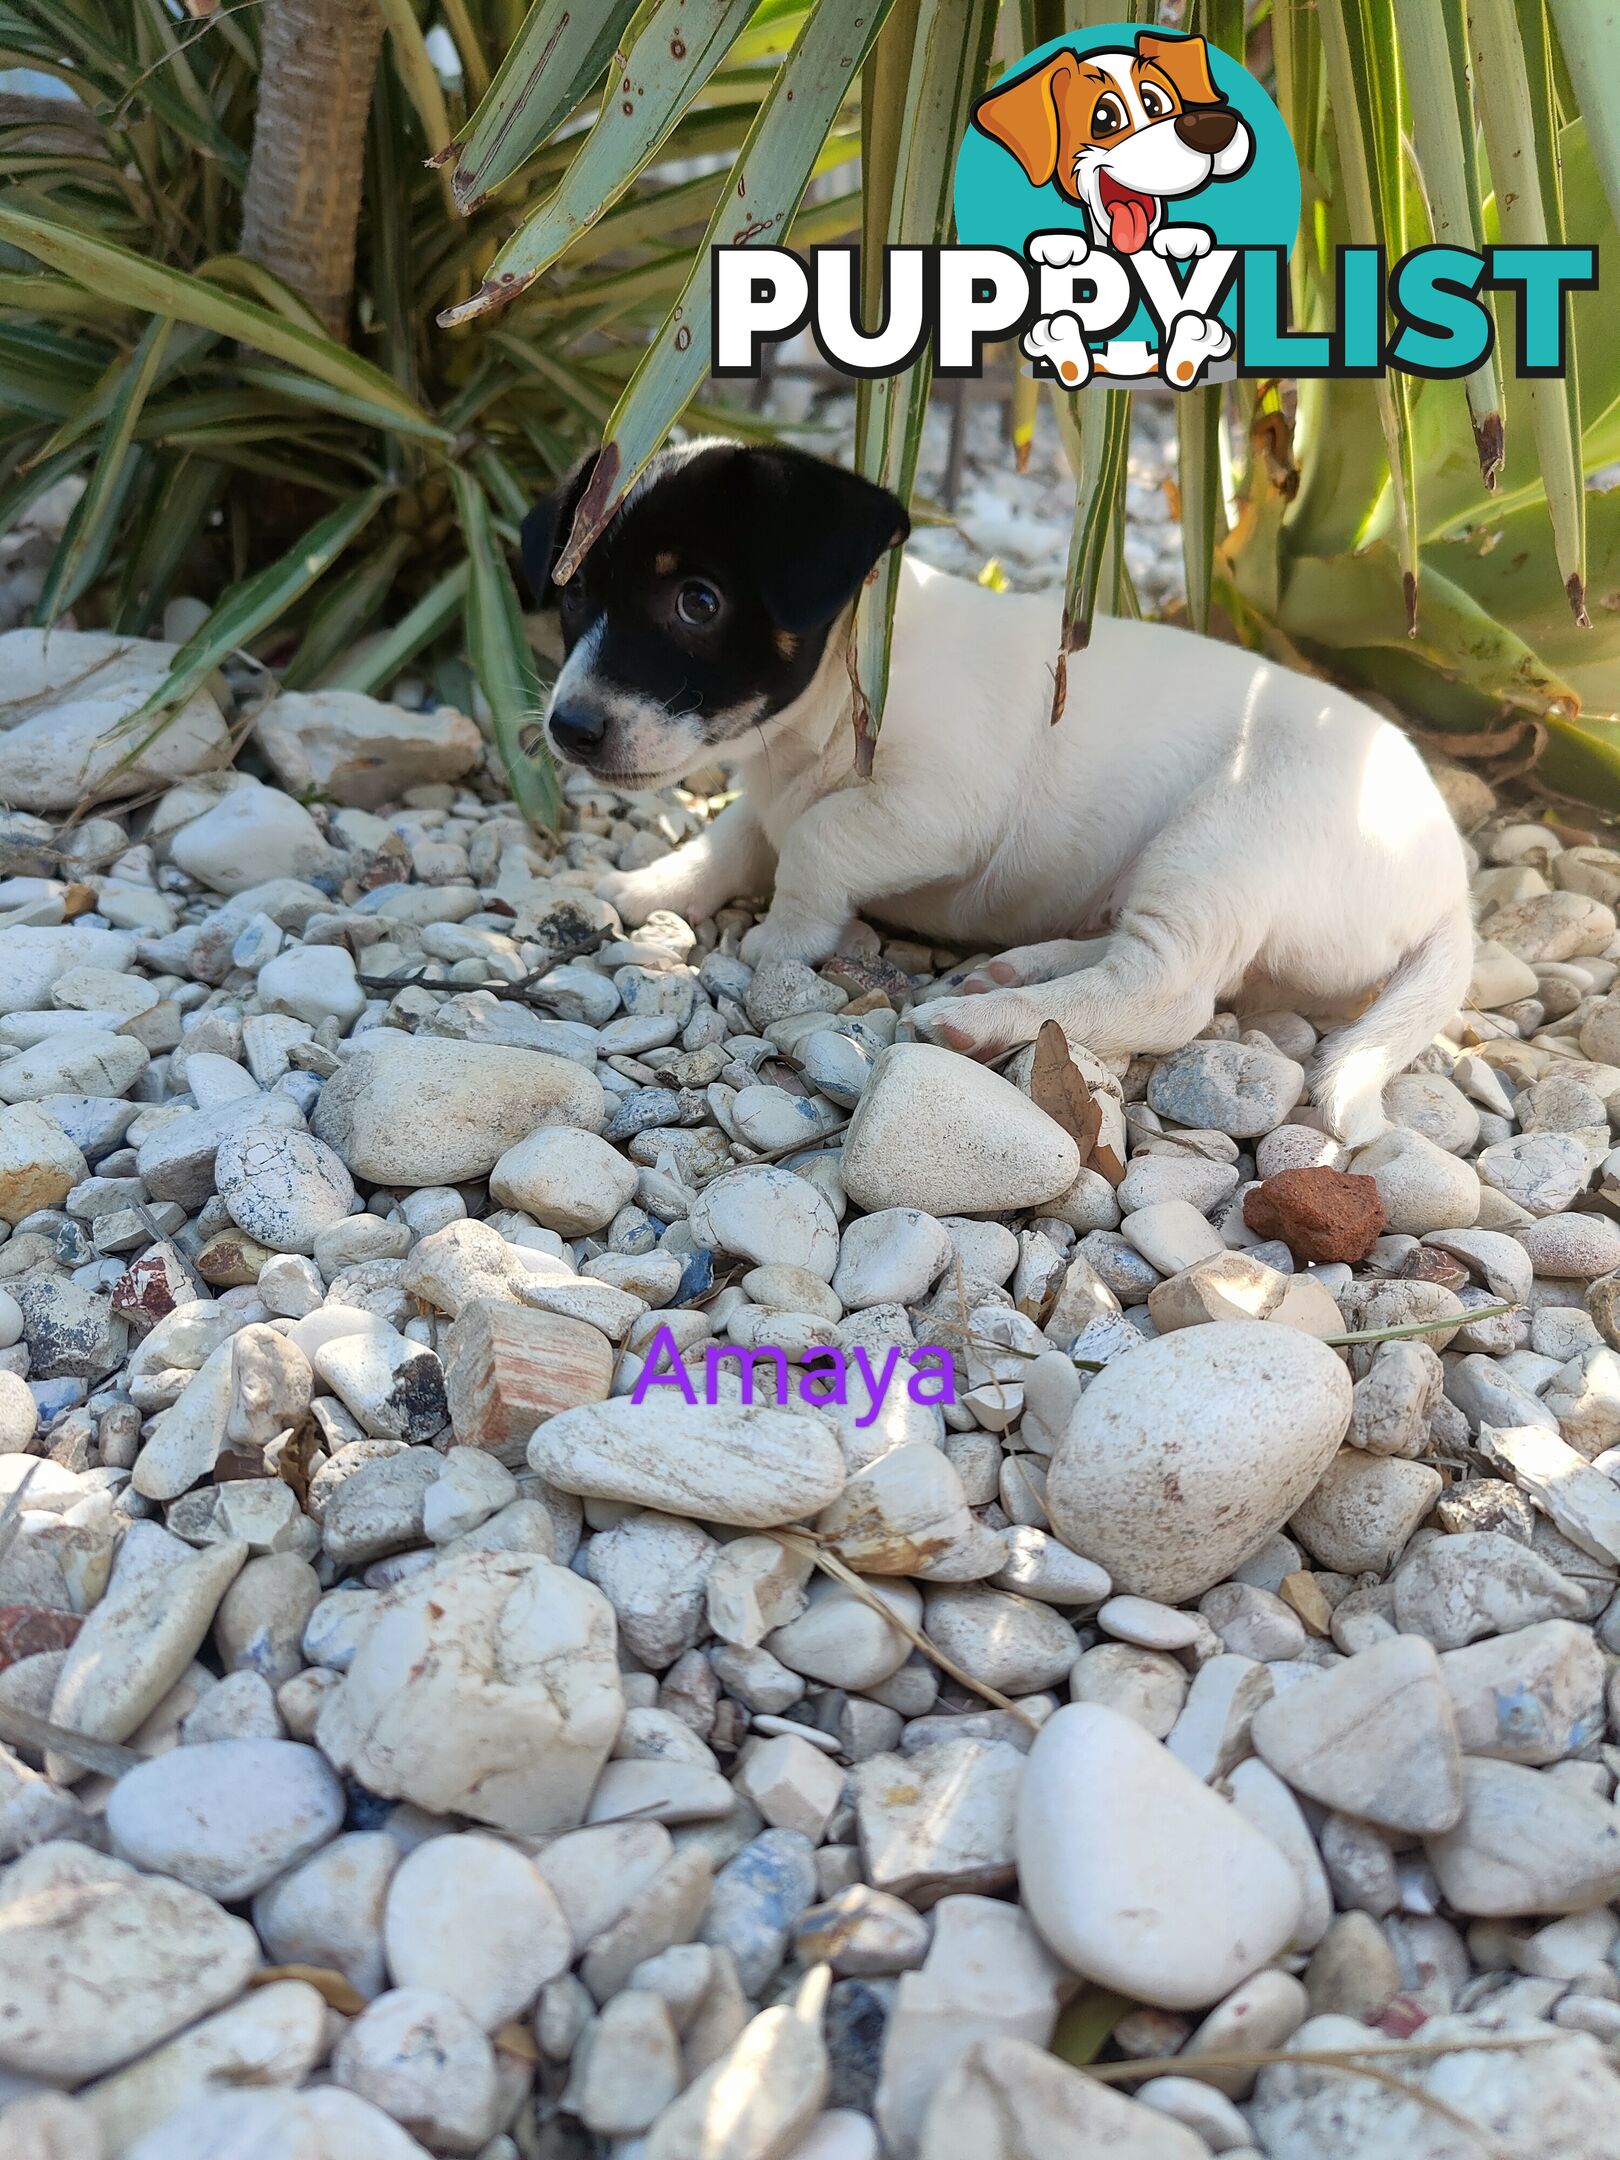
1127, 224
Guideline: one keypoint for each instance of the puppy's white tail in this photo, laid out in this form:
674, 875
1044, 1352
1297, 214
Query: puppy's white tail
1352, 1066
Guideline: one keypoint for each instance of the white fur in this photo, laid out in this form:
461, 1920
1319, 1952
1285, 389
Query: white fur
1202, 819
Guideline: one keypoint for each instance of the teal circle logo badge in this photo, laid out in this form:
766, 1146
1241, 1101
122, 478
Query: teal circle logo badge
1129, 167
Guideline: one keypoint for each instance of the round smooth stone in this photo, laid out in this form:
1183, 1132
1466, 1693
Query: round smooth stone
282, 1188
1138, 1875
1186, 1454
226, 1816
475, 1917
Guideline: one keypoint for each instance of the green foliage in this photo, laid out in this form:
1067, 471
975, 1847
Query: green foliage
1514, 551
350, 509
532, 278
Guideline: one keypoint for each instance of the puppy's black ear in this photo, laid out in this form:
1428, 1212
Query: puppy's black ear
544, 531
814, 533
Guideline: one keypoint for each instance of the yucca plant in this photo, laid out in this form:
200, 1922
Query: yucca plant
347, 462
1441, 542
220, 267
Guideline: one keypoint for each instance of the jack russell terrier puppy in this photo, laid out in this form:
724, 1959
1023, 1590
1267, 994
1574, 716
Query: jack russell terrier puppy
1202, 826
1122, 132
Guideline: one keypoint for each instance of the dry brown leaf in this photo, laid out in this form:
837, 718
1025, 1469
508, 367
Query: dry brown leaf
1107, 1164
298, 1458
515, 2038
1057, 1086
1303, 1593
1273, 440
1572, 835
334, 1989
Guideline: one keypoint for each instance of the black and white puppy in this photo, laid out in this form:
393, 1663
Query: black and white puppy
1203, 824
703, 610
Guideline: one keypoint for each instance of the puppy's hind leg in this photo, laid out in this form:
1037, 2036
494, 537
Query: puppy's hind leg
1189, 927
1154, 988
1034, 964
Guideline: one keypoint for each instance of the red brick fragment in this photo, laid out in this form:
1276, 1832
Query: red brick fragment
1319, 1214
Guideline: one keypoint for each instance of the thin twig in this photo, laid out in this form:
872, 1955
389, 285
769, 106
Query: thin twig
11, 1513
104, 796
522, 990
807, 1545
1318, 2058
22, 1727
1373, 1335
201, 22
796, 1147
1352, 2063
1422, 1327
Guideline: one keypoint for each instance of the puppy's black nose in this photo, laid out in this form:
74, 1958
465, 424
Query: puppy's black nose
1208, 131
577, 728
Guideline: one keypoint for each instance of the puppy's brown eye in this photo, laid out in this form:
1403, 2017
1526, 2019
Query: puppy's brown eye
1154, 102
1108, 117
697, 603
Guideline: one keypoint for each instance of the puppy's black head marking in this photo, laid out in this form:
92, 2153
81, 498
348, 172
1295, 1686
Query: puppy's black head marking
817, 532
705, 605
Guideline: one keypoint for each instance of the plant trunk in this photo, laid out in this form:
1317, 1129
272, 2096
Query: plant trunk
302, 204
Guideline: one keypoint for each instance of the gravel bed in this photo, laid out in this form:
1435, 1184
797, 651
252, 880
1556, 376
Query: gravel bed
452, 1702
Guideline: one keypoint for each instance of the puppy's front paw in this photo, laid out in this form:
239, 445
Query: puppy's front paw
1195, 341
773, 943
979, 1027
636, 895
1182, 243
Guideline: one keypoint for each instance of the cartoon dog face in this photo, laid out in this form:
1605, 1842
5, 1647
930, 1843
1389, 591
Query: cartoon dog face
1120, 132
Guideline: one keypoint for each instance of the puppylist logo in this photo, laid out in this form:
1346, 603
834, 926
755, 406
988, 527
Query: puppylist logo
1126, 203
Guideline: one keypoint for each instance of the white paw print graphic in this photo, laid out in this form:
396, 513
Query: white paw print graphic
1195, 341
1060, 339
1182, 243
1058, 250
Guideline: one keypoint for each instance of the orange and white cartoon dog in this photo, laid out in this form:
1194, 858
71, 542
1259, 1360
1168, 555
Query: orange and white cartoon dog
1122, 132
